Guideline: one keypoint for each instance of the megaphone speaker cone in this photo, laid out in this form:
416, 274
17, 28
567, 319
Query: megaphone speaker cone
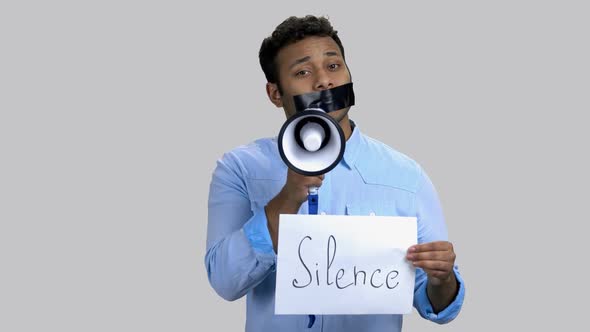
311, 143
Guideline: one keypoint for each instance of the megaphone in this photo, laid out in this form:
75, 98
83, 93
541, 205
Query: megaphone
311, 143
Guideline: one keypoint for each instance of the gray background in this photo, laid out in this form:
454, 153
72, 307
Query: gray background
113, 114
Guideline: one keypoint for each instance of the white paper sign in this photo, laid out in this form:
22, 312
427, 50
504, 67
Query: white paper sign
344, 265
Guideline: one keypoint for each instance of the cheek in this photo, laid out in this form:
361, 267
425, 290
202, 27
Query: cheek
288, 103
295, 86
345, 76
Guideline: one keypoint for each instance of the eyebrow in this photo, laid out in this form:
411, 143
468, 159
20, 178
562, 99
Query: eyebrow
307, 58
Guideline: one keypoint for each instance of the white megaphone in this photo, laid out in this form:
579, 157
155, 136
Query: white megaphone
311, 143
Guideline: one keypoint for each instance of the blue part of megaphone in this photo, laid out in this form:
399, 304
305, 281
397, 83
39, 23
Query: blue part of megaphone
312, 203
326, 118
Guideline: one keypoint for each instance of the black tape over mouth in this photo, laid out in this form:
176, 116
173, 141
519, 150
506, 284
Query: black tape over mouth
328, 100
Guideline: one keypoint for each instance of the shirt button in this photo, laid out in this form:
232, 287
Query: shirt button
323, 213
372, 214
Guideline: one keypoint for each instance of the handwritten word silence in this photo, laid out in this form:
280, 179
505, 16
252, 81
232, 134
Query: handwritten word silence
377, 278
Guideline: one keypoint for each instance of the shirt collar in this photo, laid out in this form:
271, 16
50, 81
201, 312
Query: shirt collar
352, 146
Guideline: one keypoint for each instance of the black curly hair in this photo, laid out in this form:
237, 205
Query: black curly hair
292, 30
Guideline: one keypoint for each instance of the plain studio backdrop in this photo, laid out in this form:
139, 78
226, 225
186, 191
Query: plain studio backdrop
113, 114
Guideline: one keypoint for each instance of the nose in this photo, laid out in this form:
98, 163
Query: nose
323, 81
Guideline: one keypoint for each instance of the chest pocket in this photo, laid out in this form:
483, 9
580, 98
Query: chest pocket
371, 209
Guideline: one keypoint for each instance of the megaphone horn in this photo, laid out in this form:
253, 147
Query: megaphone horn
311, 142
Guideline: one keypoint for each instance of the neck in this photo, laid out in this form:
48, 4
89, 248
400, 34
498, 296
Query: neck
346, 127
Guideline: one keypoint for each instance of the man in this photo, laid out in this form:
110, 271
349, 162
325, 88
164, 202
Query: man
251, 186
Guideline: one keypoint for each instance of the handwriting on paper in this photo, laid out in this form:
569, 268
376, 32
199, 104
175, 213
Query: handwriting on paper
344, 265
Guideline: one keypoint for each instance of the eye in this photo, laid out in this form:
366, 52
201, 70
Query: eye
302, 73
334, 66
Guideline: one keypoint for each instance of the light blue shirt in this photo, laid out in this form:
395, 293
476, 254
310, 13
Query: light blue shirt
372, 178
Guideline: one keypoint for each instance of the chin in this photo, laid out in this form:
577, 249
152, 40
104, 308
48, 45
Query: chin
339, 115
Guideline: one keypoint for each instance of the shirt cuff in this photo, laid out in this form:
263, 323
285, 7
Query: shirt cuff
256, 230
425, 309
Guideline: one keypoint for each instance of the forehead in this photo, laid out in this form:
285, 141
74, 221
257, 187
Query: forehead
309, 46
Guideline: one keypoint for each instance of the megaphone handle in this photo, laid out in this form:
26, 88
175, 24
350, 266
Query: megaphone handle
312, 200
312, 203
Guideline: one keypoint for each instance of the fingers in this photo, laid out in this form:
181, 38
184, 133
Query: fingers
303, 181
291, 174
297, 186
436, 258
313, 181
442, 275
447, 256
434, 266
431, 246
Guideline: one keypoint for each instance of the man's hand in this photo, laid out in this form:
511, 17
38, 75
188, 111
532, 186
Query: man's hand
295, 190
437, 260
288, 200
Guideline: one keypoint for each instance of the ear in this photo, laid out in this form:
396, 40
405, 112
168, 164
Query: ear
272, 90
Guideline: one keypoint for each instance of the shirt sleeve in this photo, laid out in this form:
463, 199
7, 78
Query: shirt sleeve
239, 254
431, 227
